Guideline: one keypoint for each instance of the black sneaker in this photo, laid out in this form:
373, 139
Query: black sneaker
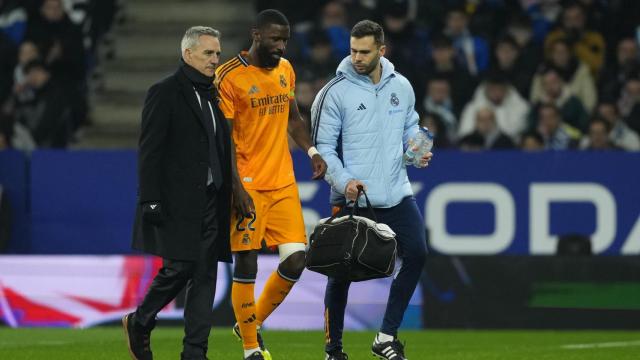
265, 353
336, 355
257, 355
138, 340
390, 350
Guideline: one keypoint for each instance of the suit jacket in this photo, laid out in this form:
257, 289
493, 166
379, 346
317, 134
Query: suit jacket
173, 163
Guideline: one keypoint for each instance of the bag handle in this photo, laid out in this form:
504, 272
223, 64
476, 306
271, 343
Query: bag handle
366, 198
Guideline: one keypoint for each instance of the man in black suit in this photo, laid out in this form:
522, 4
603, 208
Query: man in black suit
184, 195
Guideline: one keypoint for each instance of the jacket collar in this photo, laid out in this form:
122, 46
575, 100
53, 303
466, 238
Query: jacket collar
346, 68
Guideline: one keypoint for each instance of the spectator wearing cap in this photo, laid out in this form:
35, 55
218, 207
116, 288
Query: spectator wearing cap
503, 99
574, 72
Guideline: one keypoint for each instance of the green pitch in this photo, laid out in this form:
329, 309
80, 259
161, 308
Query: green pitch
108, 343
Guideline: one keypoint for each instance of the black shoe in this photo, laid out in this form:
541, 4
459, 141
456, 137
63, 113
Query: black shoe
255, 356
390, 350
138, 340
265, 353
336, 355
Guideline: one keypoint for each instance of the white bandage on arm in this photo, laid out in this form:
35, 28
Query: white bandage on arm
312, 151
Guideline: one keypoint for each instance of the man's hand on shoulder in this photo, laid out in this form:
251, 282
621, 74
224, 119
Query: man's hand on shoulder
152, 212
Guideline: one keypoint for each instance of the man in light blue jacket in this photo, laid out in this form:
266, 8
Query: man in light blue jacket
362, 122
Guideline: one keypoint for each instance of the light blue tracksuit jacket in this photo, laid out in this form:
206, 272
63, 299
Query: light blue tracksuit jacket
361, 130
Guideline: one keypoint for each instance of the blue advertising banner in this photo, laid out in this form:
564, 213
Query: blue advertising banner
13, 181
489, 203
82, 202
517, 203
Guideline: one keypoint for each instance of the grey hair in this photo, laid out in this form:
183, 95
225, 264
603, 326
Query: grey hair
191, 37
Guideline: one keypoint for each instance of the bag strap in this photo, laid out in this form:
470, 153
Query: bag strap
333, 217
369, 207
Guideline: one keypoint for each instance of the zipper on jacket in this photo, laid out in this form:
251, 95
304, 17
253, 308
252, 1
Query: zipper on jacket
384, 165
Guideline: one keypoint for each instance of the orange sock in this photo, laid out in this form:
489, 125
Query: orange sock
244, 308
274, 292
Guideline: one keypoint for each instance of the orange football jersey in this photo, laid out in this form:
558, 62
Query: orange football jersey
257, 101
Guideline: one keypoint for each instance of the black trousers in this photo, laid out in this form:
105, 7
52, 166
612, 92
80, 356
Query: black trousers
200, 279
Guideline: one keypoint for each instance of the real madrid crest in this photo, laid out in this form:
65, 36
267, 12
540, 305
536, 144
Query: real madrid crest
283, 81
394, 99
246, 239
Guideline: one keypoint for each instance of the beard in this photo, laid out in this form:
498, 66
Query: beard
368, 68
267, 58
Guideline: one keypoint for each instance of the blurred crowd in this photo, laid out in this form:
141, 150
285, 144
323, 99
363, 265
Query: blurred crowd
49, 60
487, 74
492, 74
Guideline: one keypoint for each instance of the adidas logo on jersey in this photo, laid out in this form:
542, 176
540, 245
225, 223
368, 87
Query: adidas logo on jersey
362, 107
253, 90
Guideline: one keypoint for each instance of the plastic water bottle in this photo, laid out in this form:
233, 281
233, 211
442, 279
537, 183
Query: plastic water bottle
419, 145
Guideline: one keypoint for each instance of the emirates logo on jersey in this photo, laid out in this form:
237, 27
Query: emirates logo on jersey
283, 81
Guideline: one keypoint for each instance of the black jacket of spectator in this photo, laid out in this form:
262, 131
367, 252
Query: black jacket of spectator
406, 49
519, 76
7, 64
613, 77
49, 116
497, 141
462, 84
633, 119
70, 64
173, 163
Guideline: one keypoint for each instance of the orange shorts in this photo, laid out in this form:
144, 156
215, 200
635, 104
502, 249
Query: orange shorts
278, 220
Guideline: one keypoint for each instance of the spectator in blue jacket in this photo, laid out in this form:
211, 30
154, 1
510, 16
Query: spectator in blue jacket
13, 20
473, 51
362, 122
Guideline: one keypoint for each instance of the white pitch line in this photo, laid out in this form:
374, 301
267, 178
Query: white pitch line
602, 345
